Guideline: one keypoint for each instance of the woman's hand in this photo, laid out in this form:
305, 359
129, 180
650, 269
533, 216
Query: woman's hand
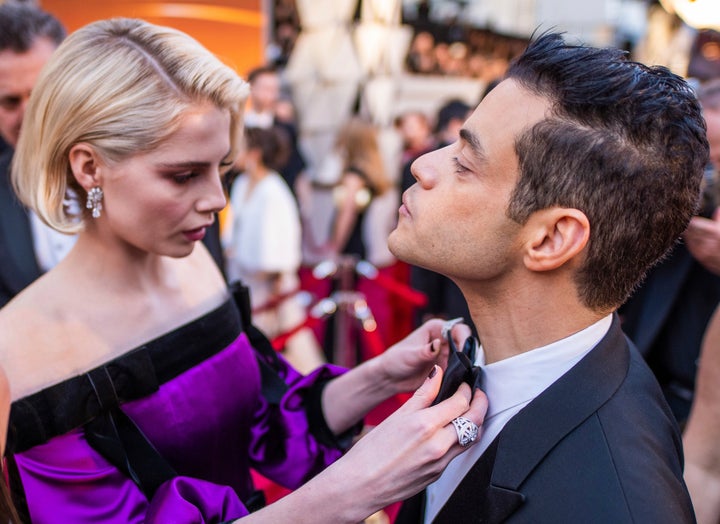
405, 365
412, 447
392, 462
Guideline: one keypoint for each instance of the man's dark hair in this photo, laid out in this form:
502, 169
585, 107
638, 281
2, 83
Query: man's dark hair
21, 24
454, 109
624, 143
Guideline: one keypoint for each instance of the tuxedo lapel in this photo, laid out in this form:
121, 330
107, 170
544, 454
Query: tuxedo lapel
492, 490
476, 500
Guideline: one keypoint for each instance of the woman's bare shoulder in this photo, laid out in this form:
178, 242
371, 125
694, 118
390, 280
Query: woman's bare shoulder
28, 337
77, 329
20, 317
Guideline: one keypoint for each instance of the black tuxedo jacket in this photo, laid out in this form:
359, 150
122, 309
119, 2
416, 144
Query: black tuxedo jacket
18, 264
598, 446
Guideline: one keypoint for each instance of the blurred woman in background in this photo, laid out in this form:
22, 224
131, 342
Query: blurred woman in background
363, 178
264, 248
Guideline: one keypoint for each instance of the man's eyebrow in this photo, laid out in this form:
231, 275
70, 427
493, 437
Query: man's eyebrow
474, 143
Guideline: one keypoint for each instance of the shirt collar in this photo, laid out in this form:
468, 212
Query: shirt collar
520, 378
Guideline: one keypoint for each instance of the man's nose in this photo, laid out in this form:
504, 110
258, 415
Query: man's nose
425, 169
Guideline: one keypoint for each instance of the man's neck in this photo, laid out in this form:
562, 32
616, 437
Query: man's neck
525, 321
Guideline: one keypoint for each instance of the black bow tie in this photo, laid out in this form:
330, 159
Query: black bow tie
460, 369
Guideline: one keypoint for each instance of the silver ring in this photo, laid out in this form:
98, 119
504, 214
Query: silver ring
466, 429
448, 325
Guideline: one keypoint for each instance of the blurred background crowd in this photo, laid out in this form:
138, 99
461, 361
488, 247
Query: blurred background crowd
345, 94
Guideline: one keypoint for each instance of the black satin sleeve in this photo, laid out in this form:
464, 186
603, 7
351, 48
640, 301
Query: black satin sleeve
318, 424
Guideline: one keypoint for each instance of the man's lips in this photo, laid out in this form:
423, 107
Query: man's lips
404, 210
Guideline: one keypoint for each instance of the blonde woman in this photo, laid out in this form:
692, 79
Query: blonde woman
137, 393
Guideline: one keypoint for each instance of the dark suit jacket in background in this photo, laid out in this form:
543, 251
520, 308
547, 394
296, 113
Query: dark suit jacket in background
666, 318
18, 264
600, 445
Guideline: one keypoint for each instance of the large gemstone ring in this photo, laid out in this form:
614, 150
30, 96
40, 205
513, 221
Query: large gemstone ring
466, 429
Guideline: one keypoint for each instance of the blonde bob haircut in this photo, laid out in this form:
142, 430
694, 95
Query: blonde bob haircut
120, 85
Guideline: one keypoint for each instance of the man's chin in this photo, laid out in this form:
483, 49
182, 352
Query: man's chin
392, 243
400, 249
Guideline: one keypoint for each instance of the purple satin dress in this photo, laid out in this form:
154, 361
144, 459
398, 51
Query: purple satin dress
212, 425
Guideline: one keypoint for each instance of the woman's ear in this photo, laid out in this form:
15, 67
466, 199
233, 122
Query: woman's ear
557, 236
85, 165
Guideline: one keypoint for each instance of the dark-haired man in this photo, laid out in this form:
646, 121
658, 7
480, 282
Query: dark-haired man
28, 36
264, 95
546, 213
262, 111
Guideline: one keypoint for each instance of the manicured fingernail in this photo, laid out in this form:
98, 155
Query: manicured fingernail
433, 372
435, 345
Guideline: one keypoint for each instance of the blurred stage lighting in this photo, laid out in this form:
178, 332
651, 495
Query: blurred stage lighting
700, 14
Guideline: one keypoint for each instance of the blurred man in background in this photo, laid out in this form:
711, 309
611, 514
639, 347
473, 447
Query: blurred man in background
28, 248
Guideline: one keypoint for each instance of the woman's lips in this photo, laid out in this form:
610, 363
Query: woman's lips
195, 234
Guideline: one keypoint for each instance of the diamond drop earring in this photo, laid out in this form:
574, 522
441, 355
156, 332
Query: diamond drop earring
94, 201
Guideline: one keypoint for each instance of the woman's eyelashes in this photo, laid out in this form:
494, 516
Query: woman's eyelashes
184, 178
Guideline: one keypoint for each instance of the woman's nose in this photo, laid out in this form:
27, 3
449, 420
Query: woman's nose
214, 199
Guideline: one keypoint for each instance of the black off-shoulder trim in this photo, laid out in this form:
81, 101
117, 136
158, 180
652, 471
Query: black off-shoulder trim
72, 403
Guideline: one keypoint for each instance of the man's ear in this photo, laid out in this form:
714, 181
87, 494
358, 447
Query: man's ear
557, 235
85, 165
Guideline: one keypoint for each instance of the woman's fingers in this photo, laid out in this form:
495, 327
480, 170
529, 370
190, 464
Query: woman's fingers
466, 429
426, 393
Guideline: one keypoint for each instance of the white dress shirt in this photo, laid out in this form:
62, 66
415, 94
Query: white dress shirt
510, 385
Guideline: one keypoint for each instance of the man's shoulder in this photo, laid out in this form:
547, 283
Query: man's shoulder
639, 395
633, 444
620, 459
623, 463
